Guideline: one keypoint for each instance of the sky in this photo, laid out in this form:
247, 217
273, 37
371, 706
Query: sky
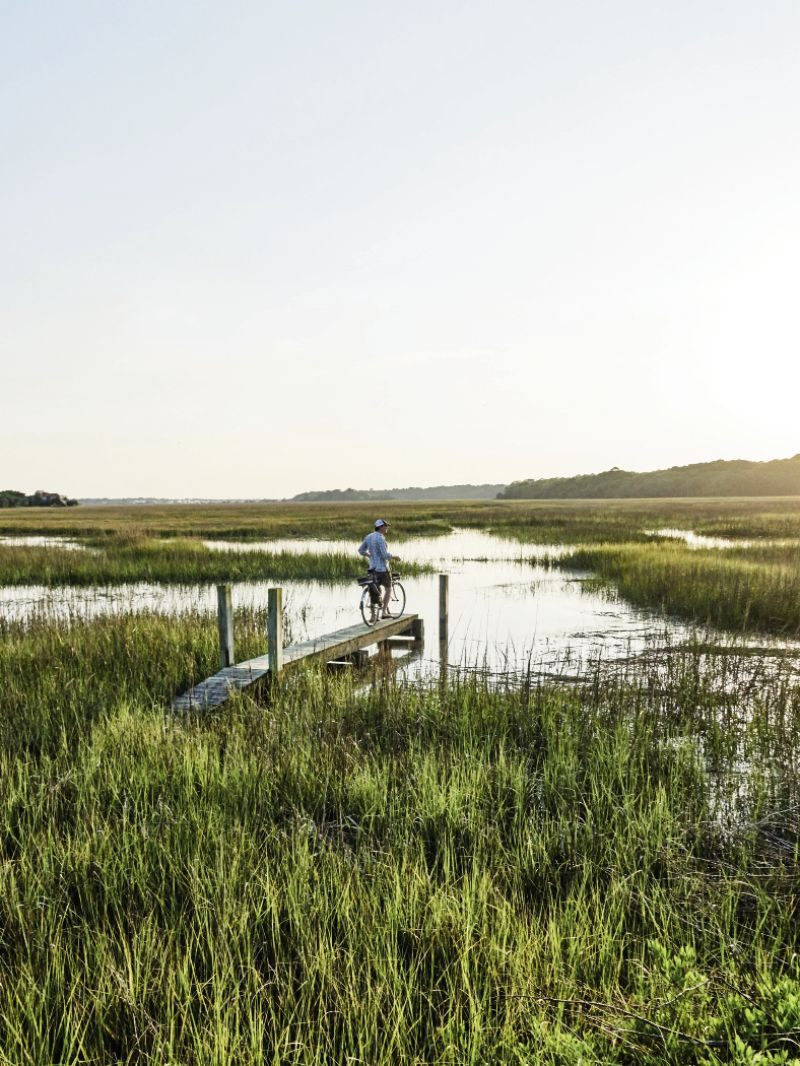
256, 248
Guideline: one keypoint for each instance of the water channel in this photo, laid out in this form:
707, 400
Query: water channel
506, 614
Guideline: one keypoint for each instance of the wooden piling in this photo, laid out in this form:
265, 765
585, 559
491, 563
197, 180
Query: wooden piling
225, 625
444, 609
444, 626
275, 631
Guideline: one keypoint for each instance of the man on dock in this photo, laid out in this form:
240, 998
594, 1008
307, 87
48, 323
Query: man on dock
375, 547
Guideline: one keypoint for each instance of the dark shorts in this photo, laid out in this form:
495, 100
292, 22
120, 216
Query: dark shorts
382, 578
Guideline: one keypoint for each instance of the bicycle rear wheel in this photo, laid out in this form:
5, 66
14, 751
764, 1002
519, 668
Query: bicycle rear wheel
397, 600
369, 610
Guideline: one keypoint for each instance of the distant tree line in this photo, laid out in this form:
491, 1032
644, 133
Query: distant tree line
12, 498
737, 477
436, 492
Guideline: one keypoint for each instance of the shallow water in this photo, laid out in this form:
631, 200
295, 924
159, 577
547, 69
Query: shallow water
42, 542
699, 540
459, 546
506, 614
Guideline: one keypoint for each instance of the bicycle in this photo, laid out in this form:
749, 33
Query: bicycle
371, 601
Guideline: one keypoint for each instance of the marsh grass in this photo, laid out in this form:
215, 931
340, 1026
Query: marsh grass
473, 872
743, 589
57, 678
564, 521
226, 521
600, 873
129, 557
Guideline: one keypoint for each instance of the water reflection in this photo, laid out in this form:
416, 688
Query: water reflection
462, 545
42, 542
505, 613
699, 540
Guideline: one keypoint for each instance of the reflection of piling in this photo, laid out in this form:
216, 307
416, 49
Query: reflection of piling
225, 625
275, 631
444, 622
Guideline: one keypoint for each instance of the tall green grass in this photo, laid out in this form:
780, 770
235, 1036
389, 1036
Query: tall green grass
126, 558
603, 873
754, 589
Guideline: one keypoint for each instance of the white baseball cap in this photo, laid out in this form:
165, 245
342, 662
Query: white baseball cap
380, 523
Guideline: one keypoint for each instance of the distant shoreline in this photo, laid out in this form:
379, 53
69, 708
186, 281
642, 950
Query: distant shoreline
723, 478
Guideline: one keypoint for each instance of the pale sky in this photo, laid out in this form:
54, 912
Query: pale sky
253, 248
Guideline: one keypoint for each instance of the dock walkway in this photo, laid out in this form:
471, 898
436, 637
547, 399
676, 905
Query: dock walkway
215, 690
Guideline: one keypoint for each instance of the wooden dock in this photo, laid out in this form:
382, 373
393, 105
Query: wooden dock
215, 690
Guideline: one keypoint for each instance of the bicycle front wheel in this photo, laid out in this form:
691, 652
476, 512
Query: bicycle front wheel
369, 610
397, 600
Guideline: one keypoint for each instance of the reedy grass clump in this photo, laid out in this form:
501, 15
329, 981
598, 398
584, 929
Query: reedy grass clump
746, 589
602, 873
58, 678
130, 558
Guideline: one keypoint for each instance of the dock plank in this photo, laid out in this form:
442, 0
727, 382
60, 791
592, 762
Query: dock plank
215, 690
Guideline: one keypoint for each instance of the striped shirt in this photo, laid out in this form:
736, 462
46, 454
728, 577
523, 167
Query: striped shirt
374, 545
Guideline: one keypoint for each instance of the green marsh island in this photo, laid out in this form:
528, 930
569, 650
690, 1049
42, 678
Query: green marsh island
578, 843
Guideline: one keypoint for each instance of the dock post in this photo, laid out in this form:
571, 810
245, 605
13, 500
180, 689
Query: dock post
275, 631
444, 624
444, 608
225, 625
